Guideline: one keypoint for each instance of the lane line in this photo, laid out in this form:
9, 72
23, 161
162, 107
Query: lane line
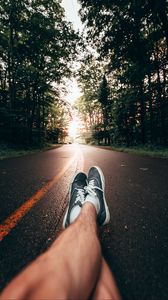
80, 164
19, 213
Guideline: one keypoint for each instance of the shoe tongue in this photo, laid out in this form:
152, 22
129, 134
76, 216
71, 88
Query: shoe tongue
80, 184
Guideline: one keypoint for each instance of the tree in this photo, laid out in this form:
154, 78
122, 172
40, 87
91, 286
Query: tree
103, 97
131, 37
37, 50
88, 105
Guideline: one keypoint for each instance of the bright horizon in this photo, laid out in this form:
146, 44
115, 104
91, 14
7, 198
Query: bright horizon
71, 12
74, 91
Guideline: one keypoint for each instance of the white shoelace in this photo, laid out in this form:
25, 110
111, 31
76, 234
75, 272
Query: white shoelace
90, 188
80, 197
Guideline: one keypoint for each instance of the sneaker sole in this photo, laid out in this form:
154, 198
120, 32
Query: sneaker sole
107, 219
70, 188
65, 216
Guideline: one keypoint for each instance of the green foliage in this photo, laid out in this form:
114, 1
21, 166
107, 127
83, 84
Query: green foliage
104, 99
37, 49
131, 38
94, 105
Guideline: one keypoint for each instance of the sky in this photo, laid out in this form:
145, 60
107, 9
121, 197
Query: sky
71, 12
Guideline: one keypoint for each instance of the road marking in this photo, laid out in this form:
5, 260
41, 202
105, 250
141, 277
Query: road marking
18, 214
80, 165
144, 169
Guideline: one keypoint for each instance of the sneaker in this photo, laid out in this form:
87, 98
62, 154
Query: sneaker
77, 196
95, 194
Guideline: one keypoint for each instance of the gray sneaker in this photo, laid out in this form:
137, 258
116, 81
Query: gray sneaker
95, 189
76, 196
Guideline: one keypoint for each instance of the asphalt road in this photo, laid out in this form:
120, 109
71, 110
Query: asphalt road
135, 243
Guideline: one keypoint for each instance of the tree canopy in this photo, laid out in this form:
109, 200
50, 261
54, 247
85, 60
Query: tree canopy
131, 38
37, 49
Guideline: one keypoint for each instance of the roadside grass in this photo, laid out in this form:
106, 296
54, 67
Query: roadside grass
152, 151
7, 151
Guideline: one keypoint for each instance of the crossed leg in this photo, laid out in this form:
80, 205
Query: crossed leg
106, 288
72, 268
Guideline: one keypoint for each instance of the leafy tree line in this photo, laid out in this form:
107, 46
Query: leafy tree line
36, 50
94, 106
131, 39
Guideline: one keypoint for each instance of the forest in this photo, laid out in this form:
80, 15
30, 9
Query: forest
125, 85
37, 47
123, 73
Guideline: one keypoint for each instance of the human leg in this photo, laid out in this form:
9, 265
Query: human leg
106, 287
73, 266
68, 270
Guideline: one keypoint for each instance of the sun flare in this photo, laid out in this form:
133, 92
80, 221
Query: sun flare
72, 131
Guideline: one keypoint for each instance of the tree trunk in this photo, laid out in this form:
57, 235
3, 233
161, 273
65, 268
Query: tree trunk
31, 119
161, 113
150, 110
11, 60
143, 114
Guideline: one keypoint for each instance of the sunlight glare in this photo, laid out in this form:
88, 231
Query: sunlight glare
72, 131
73, 91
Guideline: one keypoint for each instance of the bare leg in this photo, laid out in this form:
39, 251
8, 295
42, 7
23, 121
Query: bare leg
106, 287
68, 270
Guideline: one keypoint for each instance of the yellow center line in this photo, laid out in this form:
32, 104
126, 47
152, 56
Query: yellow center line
18, 214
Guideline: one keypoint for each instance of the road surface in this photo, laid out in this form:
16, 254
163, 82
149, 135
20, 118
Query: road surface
33, 197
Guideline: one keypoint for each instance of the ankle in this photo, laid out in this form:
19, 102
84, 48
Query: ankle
93, 200
89, 211
89, 206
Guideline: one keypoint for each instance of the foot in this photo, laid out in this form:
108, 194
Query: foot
76, 199
95, 194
